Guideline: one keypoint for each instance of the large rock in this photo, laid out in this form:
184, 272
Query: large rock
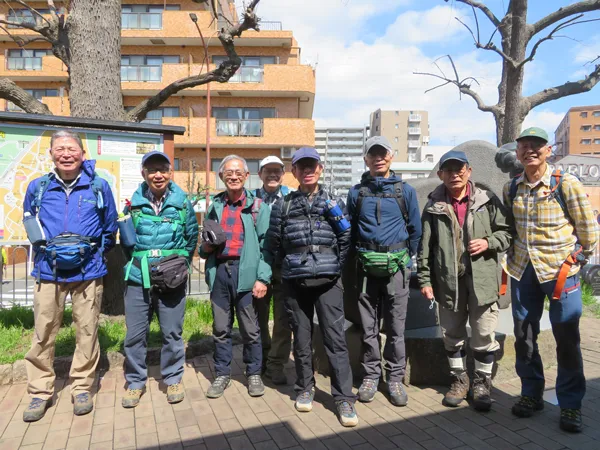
5, 374
19, 371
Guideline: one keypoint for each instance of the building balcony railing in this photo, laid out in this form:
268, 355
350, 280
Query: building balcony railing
263, 25
414, 117
248, 74
24, 63
239, 127
141, 21
141, 73
414, 131
414, 144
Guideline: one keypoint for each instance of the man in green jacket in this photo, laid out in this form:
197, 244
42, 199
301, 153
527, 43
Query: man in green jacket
464, 230
236, 273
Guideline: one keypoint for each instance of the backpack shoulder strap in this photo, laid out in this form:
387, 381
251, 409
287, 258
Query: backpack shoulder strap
512, 190
556, 191
287, 204
399, 193
363, 192
40, 189
256, 208
97, 190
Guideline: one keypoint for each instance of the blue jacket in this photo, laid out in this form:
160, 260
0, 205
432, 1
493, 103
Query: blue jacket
77, 214
392, 229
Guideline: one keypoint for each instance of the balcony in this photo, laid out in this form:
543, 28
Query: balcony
45, 68
247, 74
141, 21
274, 133
414, 144
141, 73
264, 25
414, 117
413, 131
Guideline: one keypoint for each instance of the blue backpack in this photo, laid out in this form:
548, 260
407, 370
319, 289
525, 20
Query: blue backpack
69, 251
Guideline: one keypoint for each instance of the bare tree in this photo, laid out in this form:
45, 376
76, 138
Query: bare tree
517, 48
86, 37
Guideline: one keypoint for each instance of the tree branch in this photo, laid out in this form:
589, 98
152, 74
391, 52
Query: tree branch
30, 8
10, 91
483, 8
221, 74
564, 90
563, 13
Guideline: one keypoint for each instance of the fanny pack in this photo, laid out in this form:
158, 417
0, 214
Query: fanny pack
377, 264
169, 273
68, 252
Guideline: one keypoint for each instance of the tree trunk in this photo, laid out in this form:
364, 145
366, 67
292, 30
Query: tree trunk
94, 28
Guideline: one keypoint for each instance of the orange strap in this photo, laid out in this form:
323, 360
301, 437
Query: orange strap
563, 274
504, 285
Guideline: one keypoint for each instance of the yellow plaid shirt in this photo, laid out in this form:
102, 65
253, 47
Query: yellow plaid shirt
544, 235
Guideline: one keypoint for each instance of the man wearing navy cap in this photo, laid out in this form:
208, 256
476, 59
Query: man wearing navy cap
309, 238
464, 230
165, 227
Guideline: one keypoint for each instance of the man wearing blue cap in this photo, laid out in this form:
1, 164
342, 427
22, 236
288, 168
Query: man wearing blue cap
464, 229
309, 238
166, 232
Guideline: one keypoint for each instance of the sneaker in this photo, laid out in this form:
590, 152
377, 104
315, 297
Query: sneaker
175, 393
277, 376
526, 406
570, 420
36, 409
82, 404
367, 390
256, 387
398, 396
304, 401
132, 397
482, 392
458, 390
217, 388
347, 414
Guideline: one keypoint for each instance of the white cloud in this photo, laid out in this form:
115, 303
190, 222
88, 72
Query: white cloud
588, 51
544, 118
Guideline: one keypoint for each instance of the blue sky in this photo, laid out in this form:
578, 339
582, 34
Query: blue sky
365, 53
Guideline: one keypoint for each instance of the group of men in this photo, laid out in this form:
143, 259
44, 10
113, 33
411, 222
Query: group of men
292, 247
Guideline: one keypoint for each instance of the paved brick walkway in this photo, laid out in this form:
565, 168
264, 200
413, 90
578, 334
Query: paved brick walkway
237, 421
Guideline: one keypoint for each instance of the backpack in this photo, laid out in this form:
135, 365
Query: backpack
398, 194
44, 183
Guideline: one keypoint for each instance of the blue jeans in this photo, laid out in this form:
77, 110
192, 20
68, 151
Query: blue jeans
139, 309
528, 305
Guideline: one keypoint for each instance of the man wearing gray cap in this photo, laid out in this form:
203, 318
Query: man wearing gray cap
386, 228
464, 229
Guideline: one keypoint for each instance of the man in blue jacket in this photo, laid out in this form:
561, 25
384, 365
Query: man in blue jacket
386, 229
75, 203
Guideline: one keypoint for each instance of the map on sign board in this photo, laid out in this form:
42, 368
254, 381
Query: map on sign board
24, 156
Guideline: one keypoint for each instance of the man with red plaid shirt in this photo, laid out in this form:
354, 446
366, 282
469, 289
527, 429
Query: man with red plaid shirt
236, 274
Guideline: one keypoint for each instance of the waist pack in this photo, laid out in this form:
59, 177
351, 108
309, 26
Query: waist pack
169, 273
382, 265
68, 251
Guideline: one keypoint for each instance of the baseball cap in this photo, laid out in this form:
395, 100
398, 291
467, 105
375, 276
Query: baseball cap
453, 155
270, 160
534, 132
305, 152
155, 154
380, 141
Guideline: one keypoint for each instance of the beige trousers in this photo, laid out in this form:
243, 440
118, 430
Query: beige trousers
48, 307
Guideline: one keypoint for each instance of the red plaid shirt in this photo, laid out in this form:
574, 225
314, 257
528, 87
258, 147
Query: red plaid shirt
231, 222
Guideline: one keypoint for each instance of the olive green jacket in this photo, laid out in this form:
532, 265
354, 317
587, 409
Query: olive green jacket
437, 261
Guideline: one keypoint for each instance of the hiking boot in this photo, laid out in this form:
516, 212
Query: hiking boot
217, 388
347, 414
458, 390
482, 392
256, 387
36, 409
398, 396
570, 420
277, 376
132, 397
82, 404
175, 393
304, 401
526, 406
367, 390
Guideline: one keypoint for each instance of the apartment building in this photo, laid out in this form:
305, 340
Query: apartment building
341, 150
265, 109
578, 132
407, 131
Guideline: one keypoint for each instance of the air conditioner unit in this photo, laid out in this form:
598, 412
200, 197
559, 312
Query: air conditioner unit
287, 152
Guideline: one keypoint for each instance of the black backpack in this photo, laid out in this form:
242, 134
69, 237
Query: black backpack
398, 194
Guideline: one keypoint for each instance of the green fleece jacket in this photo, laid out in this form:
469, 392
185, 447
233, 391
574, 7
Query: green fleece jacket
437, 260
252, 264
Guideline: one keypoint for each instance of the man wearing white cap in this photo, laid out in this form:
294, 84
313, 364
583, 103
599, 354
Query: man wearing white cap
276, 350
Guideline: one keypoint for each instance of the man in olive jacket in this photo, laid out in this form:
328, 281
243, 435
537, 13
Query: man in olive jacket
464, 230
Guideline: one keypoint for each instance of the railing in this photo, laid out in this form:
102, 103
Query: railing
413, 130
414, 117
413, 144
262, 25
141, 73
24, 63
248, 74
141, 21
239, 127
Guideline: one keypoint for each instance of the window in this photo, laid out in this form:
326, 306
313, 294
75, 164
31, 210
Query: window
144, 17
596, 127
145, 68
251, 70
596, 141
596, 114
395, 139
586, 142
586, 128
252, 61
26, 16
38, 94
396, 126
377, 128
24, 59
252, 182
397, 113
583, 114
241, 121
177, 164
156, 115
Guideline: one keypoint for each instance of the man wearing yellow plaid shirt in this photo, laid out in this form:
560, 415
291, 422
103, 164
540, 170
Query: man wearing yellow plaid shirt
554, 223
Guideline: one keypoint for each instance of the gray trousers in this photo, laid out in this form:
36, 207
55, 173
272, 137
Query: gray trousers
387, 299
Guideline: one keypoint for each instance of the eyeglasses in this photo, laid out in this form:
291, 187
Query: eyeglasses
272, 171
67, 150
233, 174
155, 170
455, 170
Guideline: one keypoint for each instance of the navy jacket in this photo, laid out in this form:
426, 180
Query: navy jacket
78, 214
392, 229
